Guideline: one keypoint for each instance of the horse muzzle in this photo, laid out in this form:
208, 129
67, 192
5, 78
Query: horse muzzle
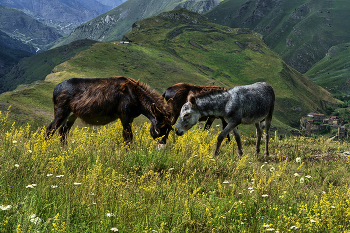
179, 132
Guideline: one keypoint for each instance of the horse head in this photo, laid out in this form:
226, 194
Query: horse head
161, 125
189, 115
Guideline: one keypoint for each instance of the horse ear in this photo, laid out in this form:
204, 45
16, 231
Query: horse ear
191, 99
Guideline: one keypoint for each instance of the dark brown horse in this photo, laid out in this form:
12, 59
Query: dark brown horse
102, 100
176, 96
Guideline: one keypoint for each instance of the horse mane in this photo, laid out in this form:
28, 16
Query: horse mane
153, 94
203, 87
209, 92
211, 89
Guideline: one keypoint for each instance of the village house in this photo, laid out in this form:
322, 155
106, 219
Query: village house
316, 123
316, 116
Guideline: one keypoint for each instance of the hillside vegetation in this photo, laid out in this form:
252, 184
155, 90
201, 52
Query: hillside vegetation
300, 31
332, 72
11, 51
95, 184
180, 46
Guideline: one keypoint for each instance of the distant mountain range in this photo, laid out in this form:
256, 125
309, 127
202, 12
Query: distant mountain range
118, 21
18, 25
64, 15
21, 36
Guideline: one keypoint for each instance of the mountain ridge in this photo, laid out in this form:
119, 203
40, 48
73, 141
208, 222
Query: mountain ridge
113, 24
63, 15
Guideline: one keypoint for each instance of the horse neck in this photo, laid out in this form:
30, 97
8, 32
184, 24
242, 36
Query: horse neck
212, 104
146, 100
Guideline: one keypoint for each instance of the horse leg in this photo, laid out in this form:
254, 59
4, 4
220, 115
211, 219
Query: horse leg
64, 129
224, 124
127, 133
267, 137
258, 138
60, 116
222, 136
164, 138
209, 122
238, 141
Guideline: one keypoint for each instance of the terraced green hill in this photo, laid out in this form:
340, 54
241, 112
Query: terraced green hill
179, 46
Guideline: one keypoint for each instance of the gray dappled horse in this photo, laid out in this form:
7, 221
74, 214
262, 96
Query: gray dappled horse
176, 96
250, 104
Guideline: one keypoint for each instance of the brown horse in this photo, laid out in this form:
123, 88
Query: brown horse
176, 96
100, 101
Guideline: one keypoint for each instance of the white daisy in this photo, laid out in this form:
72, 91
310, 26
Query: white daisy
5, 207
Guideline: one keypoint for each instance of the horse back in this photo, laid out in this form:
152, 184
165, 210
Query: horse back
96, 99
254, 102
179, 92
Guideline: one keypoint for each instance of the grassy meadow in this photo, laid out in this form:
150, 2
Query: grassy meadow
96, 184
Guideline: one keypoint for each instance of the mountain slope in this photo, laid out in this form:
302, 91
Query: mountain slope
64, 15
11, 52
333, 71
115, 23
180, 46
37, 67
300, 31
30, 31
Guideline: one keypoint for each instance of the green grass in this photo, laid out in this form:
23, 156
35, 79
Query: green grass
95, 184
